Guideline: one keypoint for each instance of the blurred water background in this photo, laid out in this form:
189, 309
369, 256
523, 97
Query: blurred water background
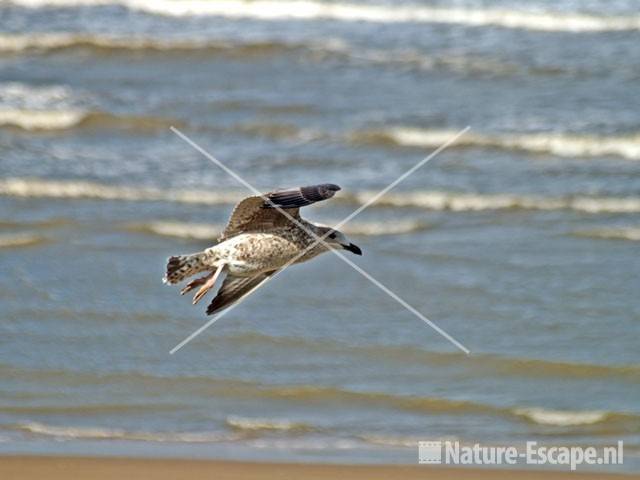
521, 240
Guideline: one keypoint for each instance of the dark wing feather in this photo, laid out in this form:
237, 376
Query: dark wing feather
234, 289
250, 216
301, 196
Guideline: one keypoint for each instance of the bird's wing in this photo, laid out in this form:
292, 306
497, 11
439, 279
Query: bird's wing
234, 289
302, 196
249, 215
255, 214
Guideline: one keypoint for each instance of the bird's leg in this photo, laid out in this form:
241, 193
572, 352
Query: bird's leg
195, 283
208, 285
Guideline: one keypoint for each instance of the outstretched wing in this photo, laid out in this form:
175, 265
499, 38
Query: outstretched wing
249, 215
301, 196
234, 289
254, 214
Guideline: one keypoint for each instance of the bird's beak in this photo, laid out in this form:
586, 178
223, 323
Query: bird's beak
353, 248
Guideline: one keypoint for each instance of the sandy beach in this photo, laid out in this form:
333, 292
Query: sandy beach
59, 468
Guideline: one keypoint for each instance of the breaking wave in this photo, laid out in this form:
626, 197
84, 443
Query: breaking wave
325, 395
243, 429
559, 144
461, 202
391, 227
52, 120
99, 433
536, 20
429, 200
21, 95
622, 233
272, 433
39, 188
563, 418
53, 42
335, 48
266, 424
44, 43
38, 107
14, 240
57, 107
443, 406
190, 231
40, 119
209, 232
487, 363
391, 441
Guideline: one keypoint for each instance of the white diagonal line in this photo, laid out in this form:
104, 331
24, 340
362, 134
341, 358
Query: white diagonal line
321, 239
370, 202
376, 197
404, 304
213, 320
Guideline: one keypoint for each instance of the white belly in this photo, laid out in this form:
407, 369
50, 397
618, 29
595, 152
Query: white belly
251, 253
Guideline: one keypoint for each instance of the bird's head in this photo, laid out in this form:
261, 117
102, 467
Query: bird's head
336, 239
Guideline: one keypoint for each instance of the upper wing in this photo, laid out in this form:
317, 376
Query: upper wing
255, 214
301, 196
249, 215
234, 289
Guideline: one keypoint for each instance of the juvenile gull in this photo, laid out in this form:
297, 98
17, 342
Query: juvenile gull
256, 243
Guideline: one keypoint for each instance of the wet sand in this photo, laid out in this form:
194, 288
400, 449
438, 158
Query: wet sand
65, 468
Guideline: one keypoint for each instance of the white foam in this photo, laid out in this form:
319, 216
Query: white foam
41, 119
33, 107
50, 41
622, 233
430, 200
196, 231
253, 424
391, 441
27, 187
20, 42
383, 228
31, 97
99, 433
15, 43
11, 240
562, 418
559, 144
308, 444
542, 20
45, 42
209, 232
461, 202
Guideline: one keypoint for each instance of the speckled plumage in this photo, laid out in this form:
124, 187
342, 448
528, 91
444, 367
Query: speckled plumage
257, 241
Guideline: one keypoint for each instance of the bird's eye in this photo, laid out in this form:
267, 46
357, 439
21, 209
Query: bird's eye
332, 236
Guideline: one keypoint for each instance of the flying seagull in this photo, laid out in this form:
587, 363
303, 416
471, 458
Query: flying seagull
256, 243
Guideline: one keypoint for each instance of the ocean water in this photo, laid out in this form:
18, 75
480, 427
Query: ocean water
521, 240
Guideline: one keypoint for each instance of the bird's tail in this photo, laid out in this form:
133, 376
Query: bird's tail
183, 266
